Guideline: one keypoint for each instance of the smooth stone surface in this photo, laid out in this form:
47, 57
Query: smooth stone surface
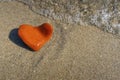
35, 37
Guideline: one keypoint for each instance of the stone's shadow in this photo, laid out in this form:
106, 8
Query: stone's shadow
13, 36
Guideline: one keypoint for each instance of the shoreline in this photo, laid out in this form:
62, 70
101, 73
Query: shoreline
74, 53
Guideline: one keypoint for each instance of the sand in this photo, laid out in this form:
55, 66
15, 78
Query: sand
74, 53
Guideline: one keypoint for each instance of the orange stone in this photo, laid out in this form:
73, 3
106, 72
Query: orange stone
35, 37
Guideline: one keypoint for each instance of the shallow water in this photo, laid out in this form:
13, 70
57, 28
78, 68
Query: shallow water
104, 14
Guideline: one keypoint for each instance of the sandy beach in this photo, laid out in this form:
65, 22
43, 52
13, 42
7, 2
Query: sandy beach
74, 53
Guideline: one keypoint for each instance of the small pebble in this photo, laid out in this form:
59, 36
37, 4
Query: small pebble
35, 37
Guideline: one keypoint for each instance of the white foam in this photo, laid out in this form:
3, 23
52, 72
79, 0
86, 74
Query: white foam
73, 13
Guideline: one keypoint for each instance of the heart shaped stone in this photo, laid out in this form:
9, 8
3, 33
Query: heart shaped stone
35, 37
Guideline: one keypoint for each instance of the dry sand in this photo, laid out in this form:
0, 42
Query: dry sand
74, 52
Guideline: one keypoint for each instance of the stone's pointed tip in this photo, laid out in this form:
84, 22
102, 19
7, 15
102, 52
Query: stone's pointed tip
35, 37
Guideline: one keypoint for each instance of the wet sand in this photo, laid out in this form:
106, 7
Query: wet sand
74, 53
